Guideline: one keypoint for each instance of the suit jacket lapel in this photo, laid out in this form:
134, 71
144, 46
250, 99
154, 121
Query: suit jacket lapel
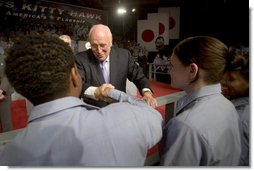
113, 66
100, 76
97, 71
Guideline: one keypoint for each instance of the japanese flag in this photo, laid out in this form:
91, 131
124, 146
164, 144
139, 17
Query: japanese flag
174, 21
161, 19
147, 32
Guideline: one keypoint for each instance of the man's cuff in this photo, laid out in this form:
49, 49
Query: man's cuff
146, 90
89, 93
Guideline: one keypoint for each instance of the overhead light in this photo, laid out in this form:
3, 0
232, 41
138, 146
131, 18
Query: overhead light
121, 10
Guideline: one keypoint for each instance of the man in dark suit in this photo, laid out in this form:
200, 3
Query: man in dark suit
119, 65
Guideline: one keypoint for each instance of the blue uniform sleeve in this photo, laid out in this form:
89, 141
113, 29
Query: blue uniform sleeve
123, 97
149, 121
181, 145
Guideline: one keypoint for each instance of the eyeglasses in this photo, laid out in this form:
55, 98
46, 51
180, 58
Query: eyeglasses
101, 46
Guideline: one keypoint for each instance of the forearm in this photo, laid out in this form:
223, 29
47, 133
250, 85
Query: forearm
123, 97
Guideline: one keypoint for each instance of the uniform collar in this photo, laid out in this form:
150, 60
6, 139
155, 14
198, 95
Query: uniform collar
57, 105
196, 94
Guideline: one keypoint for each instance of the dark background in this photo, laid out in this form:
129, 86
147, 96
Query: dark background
227, 20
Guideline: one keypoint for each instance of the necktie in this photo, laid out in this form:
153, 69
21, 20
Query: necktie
104, 71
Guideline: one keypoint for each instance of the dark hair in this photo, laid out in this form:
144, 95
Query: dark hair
38, 67
238, 60
207, 53
159, 37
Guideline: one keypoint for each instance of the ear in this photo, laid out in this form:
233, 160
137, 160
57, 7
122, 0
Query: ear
74, 76
193, 72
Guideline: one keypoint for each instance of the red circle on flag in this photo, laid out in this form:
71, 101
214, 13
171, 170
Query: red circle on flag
147, 35
161, 28
172, 23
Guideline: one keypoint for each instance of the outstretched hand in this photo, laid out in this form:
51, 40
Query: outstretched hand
148, 97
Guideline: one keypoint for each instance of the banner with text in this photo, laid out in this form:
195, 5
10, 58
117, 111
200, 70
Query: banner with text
48, 16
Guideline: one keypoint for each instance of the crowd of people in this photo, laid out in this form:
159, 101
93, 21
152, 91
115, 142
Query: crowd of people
83, 117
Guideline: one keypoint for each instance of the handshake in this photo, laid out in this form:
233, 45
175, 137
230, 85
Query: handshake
102, 92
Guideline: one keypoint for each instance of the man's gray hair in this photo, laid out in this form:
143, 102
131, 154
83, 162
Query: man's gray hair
106, 28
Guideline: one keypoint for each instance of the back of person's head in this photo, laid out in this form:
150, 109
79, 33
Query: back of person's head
208, 53
38, 67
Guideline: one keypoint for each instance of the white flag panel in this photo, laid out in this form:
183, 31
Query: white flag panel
161, 19
147, 32
174, 21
